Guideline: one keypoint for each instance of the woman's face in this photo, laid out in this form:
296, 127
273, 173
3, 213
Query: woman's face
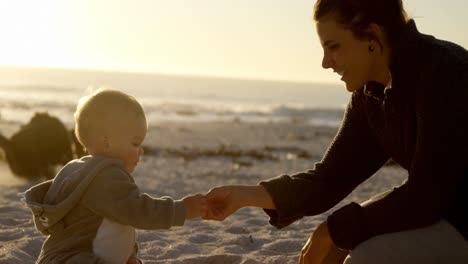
344, 53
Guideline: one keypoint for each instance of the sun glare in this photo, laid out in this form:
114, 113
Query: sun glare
28, 28
205, 37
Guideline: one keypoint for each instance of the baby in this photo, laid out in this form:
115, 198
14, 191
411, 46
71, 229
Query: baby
91, 209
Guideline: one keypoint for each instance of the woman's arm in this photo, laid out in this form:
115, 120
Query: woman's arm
354, 155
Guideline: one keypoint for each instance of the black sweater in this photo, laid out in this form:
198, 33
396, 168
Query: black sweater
421, 122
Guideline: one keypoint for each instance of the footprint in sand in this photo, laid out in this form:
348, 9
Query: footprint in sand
202, 238
284, 246
217, 259
9, 234
237, 230
11, 209
247, 242
255, 222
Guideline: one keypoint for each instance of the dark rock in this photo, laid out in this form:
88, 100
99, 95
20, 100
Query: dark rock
34, 150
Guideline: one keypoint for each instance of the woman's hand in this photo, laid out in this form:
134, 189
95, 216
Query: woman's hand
226, 200
223, 201
319, 248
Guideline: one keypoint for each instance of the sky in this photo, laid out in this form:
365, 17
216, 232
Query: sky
253, 39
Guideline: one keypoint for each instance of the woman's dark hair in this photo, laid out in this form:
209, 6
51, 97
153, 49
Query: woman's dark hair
358, 14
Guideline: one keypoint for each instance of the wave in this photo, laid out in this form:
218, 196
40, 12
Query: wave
173, 111
17, 111
19, 103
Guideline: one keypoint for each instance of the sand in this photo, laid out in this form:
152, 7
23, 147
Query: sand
184, 158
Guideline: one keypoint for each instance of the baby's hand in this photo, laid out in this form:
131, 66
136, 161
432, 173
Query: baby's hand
195, 206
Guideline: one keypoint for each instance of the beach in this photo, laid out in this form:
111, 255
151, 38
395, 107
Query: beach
185, 158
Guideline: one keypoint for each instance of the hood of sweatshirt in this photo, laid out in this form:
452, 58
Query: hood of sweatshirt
51, 200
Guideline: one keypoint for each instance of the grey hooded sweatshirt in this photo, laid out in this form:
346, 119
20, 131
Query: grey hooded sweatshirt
90, 210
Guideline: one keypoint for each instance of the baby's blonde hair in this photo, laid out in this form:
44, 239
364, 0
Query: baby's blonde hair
99, 110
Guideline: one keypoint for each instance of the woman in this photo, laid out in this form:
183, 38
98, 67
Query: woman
409, 103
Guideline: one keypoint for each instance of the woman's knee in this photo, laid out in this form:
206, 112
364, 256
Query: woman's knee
366, 254
437, 243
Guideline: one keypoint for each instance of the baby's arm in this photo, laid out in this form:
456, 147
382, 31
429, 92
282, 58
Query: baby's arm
195, 206
113, 195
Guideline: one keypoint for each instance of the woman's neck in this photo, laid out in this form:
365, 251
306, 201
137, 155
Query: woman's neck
381, 72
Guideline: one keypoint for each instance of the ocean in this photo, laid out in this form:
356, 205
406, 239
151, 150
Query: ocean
24, 91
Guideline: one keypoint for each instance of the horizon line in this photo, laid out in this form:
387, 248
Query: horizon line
171, 74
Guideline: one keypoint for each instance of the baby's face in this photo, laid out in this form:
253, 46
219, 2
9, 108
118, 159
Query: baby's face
125, 142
